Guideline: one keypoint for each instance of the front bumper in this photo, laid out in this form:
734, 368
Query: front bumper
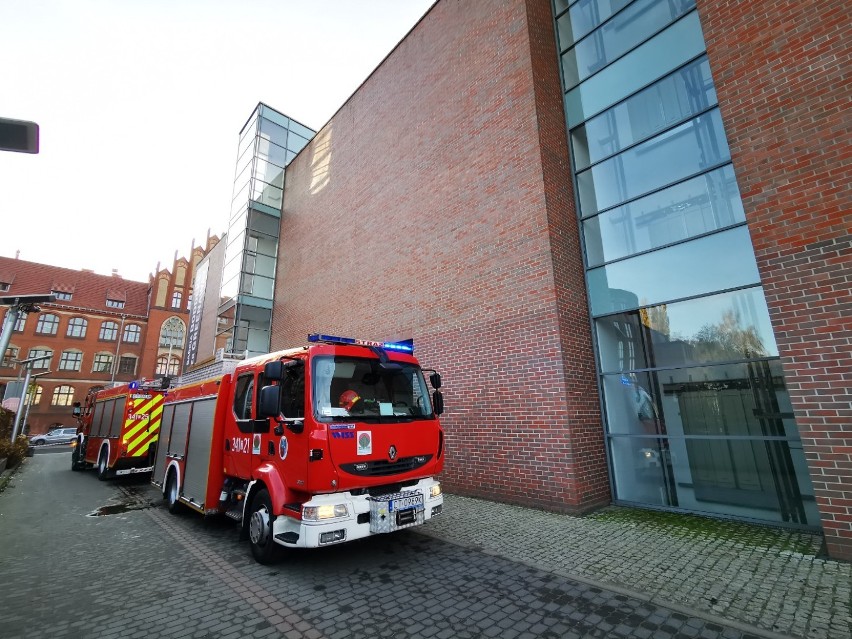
359, 523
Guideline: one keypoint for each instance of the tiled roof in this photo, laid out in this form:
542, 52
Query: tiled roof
89, 290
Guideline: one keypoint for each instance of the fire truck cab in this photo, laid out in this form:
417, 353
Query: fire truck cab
306, 447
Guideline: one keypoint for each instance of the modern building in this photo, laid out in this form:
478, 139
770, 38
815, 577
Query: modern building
99, 330
622, 232
268, 141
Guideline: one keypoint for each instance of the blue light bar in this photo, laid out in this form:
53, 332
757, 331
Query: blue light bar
404, 346
133, 385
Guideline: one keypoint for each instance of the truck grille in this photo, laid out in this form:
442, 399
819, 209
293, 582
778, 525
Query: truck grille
382, 467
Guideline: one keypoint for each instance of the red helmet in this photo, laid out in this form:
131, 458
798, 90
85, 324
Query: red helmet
348, 399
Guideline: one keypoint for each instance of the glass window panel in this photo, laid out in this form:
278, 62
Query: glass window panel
295, 142
242, 193
747, 399
263, 223
270, 173
670, 157
302, 130
272, 152
717, 328
263, 287
271, 114
623, 32
267, 194
675, 98
660, 55
263, 245
716, 262
584, 16
757, 479
271, 131
706, 203
247, 139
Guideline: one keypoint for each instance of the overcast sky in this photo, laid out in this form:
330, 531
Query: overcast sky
140, 104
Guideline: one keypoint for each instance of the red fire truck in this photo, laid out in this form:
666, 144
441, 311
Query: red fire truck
118, 428
306, 447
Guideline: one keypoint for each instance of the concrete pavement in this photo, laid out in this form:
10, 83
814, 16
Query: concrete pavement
767, 581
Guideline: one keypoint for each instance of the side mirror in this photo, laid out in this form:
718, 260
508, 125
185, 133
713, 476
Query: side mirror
270, 401
76, 411
435, 380
438, 402
274, 371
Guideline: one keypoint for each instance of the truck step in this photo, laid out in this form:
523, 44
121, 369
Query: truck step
236, 514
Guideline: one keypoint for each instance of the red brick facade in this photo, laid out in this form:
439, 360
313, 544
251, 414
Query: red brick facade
782, 75
435, 205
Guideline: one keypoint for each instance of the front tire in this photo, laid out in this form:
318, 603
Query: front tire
263, 547
76, 454
38, 442
103, 465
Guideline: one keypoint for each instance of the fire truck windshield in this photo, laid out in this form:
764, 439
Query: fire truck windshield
347, 388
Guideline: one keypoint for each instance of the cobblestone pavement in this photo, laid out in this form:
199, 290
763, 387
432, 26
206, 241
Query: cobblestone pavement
83, 558
767, 578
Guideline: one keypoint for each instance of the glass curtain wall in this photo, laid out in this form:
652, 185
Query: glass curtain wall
697, 413
268, 142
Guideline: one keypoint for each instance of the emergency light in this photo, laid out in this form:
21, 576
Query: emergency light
404, 346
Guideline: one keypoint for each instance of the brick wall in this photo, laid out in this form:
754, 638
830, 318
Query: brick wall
781, 72
434, 205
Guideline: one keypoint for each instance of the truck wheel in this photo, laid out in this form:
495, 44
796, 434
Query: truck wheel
263, 548
103, 461
75, 459
172, 501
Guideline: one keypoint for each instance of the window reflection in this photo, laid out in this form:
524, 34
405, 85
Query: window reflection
624, 31
662, 54
675, 98
757, 479
688, 149
725, 327
583, 17
706, 203
716, 262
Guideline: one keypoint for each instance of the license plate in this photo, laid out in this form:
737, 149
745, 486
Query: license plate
406, 501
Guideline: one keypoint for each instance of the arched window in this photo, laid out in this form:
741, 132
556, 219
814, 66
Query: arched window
108, 332
132, 333
70, 360
77, 327
102, 363
46, 353
63, 396
176, 299
172, 333
48, 324
34, 396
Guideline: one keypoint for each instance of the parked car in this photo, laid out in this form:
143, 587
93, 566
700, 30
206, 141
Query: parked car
56, 436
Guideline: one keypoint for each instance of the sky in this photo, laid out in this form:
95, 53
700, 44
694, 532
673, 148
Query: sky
140, 104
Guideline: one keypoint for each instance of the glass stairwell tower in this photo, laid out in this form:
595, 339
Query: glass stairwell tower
268, 141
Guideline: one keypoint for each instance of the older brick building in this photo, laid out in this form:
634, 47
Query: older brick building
622, 232
99, 330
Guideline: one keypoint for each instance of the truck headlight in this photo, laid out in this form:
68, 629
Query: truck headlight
326, 511
435, 491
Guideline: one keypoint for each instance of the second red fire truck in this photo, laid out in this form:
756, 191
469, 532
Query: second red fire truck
118, 428
306, 447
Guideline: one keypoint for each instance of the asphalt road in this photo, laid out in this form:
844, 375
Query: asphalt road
84, 558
